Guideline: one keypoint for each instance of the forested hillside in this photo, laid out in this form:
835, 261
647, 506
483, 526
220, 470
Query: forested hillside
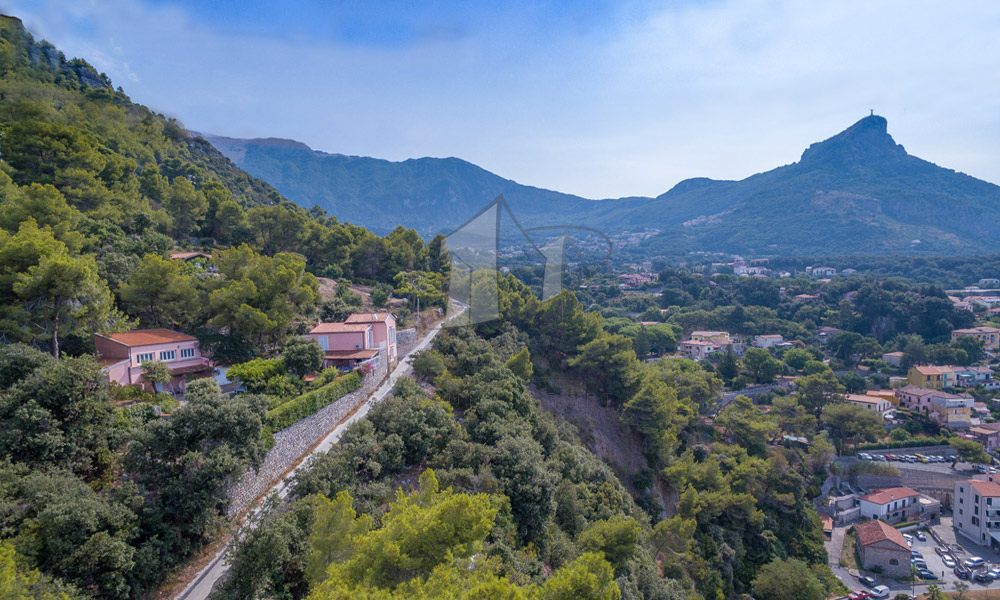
528, 512
99, 495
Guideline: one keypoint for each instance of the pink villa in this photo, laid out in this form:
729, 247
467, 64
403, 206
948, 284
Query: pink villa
384, 326
345, 344
357, 340
121, 356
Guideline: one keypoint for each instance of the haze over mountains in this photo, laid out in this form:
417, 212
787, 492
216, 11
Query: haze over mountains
856, 192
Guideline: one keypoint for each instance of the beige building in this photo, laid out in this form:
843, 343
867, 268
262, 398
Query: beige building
989, 336
882, 546
875, 404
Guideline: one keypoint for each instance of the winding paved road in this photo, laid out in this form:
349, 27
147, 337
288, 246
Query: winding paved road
203, 584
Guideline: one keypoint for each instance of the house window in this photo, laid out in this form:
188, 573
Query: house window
168, 355
145, 357
392, 335
187, 352
371, 338
893, 561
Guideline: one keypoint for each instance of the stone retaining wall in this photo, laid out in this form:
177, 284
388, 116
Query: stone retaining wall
405, 337
294, 441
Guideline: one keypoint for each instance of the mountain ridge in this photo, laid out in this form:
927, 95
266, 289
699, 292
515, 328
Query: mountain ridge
857, 191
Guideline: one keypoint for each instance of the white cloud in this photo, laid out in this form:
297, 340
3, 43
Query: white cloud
656, 95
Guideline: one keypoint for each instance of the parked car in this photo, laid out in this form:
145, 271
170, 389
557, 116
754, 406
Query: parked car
866, 580
864, 456
982, 469
994, 573
940, 551
948, 561
890, 457
921, 536
962, 572
859, 595
982, 577
926, 574
880, 591
919, 563
974, 562
915, 554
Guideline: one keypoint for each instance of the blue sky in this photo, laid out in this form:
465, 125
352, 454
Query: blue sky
600, 99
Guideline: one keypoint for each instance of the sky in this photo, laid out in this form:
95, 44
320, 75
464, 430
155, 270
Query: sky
598, 99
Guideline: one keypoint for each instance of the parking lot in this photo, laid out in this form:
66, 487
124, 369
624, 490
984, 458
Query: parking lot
959, 549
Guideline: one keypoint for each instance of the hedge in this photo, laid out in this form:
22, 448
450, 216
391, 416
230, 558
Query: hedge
310, 403
911, 443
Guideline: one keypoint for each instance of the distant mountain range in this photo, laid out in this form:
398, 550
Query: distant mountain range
857, 192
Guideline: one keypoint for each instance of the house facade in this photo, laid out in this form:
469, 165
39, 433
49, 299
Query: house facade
989, 336
891, 505
384, 328
875, 404
768, 341
931, 377
893, 359
952, 410
987, 434
121, 356
346, 345
977, 511
699, 349
882, 547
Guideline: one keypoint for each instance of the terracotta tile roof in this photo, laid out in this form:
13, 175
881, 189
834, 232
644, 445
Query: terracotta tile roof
975, 330
351, 354
876, 531
147, 337
865, 399
376, 317
982, 430
987, 489
340, 328
931, 370
889, 494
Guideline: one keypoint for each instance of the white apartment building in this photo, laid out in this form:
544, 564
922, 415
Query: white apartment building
977, 511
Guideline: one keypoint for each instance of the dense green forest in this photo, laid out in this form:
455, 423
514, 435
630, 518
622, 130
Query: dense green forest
719, 511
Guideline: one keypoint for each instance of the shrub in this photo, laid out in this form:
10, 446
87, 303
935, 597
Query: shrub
310, 403
255, 373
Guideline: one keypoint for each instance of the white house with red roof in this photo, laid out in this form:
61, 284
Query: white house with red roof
122, 354
891, 505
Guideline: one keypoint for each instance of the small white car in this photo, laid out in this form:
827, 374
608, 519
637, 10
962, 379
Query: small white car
948, 561
974, 562
879, 591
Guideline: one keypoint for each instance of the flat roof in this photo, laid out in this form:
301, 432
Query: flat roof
341, 328
149, 337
